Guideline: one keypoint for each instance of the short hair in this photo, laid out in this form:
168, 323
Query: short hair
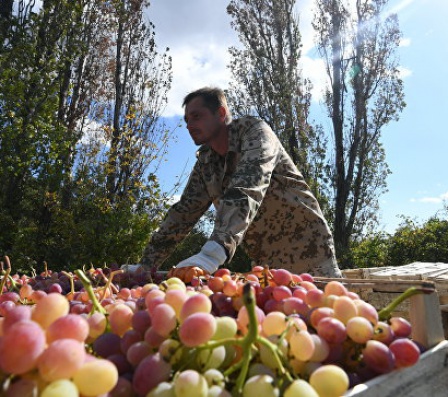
213, 99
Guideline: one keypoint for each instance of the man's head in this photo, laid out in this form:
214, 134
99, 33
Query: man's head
212, 98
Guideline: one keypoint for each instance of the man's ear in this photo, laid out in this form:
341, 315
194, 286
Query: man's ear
222, 111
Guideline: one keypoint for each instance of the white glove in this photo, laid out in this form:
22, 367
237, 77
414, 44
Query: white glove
212, 256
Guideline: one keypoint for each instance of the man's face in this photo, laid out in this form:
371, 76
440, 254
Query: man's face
202, 124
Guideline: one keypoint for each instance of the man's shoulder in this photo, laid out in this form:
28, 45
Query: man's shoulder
245, 122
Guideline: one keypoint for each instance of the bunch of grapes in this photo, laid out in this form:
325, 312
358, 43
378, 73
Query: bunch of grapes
269, 332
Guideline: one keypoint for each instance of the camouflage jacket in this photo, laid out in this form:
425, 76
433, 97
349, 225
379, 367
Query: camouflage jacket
261, 200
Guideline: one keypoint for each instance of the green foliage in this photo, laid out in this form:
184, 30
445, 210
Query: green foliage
411, 242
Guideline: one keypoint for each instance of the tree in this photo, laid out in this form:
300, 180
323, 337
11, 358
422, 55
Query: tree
358, 44
267, 81
82, 87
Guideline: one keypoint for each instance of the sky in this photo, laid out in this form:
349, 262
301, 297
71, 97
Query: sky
198, 34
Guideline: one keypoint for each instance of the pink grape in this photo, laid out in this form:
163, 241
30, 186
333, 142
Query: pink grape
281, 292
321, 349
194, 304
120, 319
130, 337
164, 319
176, 299
315, 298
61, 359
17, 313
151, 371
198, 328
21, 346
367, 311
319, 313
405, 351
153, 338
71, 326
294, 305
401, 327
332, 330
282, 277
378, 357
97, 324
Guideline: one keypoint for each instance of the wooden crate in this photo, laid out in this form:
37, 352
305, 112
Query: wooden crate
430, 375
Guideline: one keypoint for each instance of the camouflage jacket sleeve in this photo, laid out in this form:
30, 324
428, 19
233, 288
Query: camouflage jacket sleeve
253, 154
178, 222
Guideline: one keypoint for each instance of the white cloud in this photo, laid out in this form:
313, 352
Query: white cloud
432, 200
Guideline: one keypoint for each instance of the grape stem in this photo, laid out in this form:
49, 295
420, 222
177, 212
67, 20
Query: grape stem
385, 313
96, 306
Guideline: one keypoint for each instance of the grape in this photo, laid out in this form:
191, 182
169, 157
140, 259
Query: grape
171, 351
266, 355
137, 352
359, 329
70, 326
332, 330
315, 298
61, 359
190, 383
335, 288
153, 338
163, 389
151, 371
214, 378
22, 387
405, 351
243, 319
96, 377
274, 323
344, 309
164, 319
121, 363
321, 349
195, 304
21, 346
299, 387
216, 284
383, 333
378, 357
176, 299
319, 313
226, 327
60, 387
281, 276
301, 345
230, 287
123, 388
130, 337
197, 329
260, 385
217, 391
49, 308
295, 305
329, 381
401, 327
281, 292
15, 314
141, 321
120, 319
97, 325
367, 310
211, 358
107, 344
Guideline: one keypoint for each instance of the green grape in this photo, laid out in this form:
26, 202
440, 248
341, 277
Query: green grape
260, 386
190, 383
211, 358
300, 387
60, 387
96, 377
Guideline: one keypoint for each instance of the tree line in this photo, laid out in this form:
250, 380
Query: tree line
83, 88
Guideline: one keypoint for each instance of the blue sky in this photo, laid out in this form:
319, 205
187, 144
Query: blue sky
199, 34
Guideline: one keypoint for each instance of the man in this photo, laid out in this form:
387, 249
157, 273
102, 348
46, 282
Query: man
259, 195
